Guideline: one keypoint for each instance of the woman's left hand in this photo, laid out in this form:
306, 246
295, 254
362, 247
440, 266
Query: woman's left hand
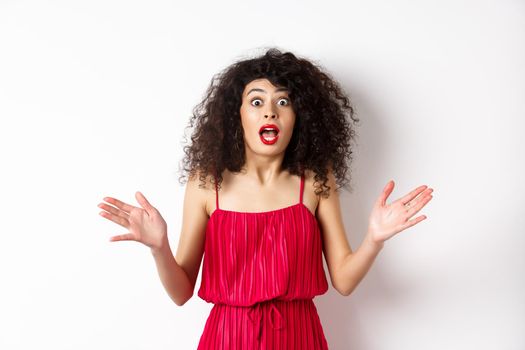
388, 219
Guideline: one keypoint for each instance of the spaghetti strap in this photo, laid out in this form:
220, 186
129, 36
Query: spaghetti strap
302, 188
216, 194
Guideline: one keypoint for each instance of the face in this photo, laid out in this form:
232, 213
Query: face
266, 105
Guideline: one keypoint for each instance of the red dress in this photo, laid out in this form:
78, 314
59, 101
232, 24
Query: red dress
262, 271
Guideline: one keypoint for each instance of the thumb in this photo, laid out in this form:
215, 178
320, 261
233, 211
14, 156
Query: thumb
144, 202
387, 190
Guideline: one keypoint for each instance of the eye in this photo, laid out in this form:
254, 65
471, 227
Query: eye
284, 99
256, 99
254, 103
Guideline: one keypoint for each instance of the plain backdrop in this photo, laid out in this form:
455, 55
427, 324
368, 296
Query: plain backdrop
94, 99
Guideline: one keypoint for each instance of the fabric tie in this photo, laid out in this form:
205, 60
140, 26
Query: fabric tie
255, 315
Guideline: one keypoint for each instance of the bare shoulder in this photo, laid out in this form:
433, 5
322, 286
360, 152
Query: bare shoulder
196, 181
310, 199
311, 187
201, 192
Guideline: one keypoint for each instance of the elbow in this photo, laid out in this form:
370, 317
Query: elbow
182, 301
341, 291
344, 290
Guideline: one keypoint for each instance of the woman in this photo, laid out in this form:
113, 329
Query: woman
272, 138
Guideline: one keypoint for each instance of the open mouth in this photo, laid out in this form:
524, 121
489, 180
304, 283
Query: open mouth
269, 133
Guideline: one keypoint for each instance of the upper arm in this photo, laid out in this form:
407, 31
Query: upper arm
335, 244
194, 219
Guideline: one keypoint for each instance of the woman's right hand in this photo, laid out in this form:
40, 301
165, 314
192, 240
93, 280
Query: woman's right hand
145, 224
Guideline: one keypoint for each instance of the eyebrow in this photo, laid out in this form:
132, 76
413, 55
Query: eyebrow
261, 90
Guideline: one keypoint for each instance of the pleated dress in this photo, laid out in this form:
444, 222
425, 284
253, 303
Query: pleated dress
261, 270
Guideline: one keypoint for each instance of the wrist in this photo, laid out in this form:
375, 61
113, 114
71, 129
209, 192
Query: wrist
164, 247
374, 244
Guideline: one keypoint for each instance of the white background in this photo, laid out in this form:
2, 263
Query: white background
94, 97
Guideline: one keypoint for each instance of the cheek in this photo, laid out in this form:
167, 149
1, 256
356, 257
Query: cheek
249, 126
290, 126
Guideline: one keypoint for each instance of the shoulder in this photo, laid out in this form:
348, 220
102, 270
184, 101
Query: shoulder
310, 198
201, 190
313, 184
312, 189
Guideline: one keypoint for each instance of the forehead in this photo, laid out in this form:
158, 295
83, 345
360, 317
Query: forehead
264, 86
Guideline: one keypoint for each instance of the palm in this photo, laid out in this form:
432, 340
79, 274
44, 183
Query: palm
145, 224
388, 219
143, 227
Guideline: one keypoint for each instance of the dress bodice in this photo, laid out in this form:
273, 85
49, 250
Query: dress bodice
253, 257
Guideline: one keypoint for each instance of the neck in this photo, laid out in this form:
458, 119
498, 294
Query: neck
264, 169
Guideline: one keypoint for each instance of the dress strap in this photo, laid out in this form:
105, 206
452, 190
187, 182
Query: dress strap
216, 194
302, 188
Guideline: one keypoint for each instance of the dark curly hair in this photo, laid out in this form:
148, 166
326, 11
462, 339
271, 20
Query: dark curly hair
322, 132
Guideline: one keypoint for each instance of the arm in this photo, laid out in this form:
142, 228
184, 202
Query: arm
355, 265
172, 275
178, 275
346, 268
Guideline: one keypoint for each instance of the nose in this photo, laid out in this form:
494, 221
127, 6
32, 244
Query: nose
270, 111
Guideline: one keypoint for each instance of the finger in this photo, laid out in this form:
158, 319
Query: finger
387, 190
113, 210
413, 222
119, 204
116, 219
144, 202
124, 237
412, 194
419, 205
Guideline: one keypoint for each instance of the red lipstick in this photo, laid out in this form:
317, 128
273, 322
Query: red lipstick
269, 134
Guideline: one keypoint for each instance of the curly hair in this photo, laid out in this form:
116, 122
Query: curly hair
322, 134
